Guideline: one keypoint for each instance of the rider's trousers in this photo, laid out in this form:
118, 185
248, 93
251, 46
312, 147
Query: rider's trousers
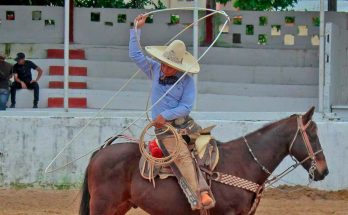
185, 163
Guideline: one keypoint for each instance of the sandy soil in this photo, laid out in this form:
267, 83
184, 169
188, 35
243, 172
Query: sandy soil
285, 201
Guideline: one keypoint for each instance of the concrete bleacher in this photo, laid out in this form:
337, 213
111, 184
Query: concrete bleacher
227, 81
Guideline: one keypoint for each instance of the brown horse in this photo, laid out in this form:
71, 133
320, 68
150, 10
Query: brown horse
113, 184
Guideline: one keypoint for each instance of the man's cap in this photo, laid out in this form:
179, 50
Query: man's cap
20, 56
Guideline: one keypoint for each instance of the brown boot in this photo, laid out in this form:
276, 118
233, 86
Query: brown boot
206, 199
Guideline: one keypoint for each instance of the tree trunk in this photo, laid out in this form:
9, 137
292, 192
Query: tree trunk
71, 22
332, 5
209, 28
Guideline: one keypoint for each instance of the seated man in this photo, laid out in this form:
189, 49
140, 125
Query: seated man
23, 78
175, 106
5, 75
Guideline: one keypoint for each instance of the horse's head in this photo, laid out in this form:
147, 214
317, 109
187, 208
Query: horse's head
306, 147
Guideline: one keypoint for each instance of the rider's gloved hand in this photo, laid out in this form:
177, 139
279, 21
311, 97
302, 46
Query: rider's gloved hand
160, 121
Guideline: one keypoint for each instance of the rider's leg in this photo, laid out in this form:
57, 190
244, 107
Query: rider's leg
185, 164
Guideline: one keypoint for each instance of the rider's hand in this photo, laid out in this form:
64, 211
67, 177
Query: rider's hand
140, 20
24, 86
160, 121
33, 81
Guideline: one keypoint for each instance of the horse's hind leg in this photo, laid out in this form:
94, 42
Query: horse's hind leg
105, 202
123, 208
101, 204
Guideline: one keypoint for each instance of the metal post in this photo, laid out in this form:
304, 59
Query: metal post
321, 57
195, 45
66, 54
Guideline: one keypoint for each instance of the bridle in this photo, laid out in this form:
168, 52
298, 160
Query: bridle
301, 129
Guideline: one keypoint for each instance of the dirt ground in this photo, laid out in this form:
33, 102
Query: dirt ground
288, 200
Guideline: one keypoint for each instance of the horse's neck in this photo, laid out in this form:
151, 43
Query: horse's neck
269, 147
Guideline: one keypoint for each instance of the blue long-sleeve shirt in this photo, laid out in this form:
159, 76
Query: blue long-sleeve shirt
179, 101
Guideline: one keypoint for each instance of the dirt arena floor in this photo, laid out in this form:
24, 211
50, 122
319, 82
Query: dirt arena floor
275, 202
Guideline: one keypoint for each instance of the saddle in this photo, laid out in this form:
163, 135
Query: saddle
203, 147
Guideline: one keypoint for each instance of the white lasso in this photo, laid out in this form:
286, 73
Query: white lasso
47, 170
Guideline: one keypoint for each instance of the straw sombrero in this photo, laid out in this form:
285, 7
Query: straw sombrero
176, 56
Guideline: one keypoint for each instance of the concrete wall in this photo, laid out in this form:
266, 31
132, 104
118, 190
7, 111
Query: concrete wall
88, 32
303, 33
336, 66
33, 139
106, 30
23, 29
183, 3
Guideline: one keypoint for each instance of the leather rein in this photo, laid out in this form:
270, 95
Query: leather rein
301, 129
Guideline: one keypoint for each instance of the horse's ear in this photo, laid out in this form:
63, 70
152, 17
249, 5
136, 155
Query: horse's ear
308, 116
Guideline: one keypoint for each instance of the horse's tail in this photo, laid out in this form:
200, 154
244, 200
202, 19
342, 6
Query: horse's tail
84, 205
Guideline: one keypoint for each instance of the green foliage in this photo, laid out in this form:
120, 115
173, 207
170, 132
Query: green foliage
277, 27
264, 5
89, 3
122, 18
7, 49
100, 3
174, 19
263, 20
149, 19
262, 39
20, 185
249, 30
159, 5
237, 20
316, 21
33, 2
138, 4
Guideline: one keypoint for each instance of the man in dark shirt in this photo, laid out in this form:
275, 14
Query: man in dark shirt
23, 78
5, 75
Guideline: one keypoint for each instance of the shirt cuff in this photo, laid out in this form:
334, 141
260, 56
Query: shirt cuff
132, 32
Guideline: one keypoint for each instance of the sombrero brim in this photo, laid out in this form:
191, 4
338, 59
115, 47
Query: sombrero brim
189, 63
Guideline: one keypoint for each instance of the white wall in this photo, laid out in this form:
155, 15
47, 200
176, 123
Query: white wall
29, 143
158, 32
24, 30
336, 66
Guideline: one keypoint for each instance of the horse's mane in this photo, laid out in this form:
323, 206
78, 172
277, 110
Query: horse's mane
271, 125
264, 128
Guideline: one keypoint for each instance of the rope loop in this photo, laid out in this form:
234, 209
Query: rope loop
164, 161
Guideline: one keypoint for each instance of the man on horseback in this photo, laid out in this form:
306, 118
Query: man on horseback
175, 107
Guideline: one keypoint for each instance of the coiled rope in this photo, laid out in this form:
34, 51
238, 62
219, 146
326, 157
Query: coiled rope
164, 161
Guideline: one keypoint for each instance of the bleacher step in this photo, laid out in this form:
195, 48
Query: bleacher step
73, 54
72, 85
73, 70
128, 100
58, 102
